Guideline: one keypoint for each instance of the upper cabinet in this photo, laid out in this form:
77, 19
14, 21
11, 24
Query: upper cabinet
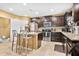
58, 21
76, 12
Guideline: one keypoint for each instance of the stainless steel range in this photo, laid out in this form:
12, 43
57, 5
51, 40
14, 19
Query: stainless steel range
47, 31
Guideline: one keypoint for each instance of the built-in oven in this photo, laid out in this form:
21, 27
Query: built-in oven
46, 34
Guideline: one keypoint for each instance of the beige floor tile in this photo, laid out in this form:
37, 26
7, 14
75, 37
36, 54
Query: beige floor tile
46, 49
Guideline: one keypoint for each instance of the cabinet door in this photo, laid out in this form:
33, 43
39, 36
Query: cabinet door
30, 43
57, 37
33, 42
58, 21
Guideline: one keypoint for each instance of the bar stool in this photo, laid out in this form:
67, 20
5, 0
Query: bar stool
19, 40
18, 43
67, 44
22, 43
26, 42
14, 33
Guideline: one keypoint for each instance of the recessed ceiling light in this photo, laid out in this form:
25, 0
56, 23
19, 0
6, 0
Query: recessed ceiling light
11, 9
24, 4
37, 12
51, 10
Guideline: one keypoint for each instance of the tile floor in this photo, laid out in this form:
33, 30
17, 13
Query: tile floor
46, 49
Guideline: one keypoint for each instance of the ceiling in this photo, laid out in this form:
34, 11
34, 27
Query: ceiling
36, 9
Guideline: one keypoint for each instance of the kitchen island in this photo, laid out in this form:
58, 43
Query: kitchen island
32, 41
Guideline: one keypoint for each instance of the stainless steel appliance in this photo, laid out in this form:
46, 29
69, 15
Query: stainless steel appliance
46, 35
47, 31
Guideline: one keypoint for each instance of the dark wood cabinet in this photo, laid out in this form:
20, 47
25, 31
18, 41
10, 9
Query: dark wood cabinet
57, 37
76, 16
76, 12
57, 20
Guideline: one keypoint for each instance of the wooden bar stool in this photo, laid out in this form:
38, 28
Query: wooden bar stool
22, 43
25, 43
25, 48
19, 43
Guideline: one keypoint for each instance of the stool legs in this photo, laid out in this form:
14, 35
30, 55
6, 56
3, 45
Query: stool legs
12, 43
18, 43
63, 45
21, 44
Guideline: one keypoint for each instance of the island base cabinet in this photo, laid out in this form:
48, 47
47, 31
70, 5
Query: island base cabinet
34, 42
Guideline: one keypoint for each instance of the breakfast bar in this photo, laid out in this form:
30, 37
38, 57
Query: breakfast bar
31, 41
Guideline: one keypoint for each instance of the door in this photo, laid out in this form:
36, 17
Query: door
4, 27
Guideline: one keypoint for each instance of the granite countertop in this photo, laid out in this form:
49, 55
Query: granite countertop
71, 36
31, 33
34, 33
51, 27
41, 28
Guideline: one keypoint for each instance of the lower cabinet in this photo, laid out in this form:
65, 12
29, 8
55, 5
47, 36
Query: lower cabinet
57, 37
35, 41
